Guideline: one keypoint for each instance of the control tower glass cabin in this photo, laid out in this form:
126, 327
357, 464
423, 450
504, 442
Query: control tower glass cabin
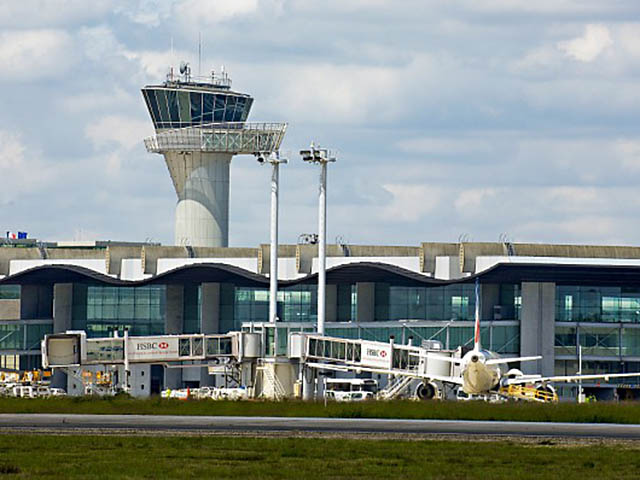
183, 110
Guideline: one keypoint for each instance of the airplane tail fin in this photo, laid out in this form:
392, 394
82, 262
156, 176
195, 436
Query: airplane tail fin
476, 338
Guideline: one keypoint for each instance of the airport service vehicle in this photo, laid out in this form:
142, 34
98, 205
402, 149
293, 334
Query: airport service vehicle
350, 389
212, 393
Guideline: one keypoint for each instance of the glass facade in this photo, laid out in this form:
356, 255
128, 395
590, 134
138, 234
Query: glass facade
347, 307
451, 302
176, 108
21, 336
504, 339
295, 304
597, 341
597, 304
192, 308
436, 304
9, 292
99, 310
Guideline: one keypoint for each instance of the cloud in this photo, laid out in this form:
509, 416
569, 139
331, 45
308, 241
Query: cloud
92, 101
120, 130
11, 151
479, 117
445, 146
589, 46
470, 201
628, 151
539, 62
150, 13
155, 65
29, 55
18, 162
193, 15
411, 203
584, 229
46, 13
628, 38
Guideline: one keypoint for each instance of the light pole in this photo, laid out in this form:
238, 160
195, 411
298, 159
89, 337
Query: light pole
275, 161
323, 157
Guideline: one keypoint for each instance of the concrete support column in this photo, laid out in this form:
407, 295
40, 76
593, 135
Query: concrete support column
62, 321
489, 297
210, 321
210, 308
366, 308
537, 326
174, 319
62, 307
173, 324
201, 180
308, 384
331, 303
36, 301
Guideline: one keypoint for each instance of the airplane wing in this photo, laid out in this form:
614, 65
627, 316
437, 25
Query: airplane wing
445, 379
496, 361
565, 378
437, 357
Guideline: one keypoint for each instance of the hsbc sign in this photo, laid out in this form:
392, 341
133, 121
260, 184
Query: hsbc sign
151, 348
376, 354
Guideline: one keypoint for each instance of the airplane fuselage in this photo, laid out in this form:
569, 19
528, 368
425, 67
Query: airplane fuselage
478, 377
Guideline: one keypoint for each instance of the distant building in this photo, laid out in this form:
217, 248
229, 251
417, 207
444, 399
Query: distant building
535, 298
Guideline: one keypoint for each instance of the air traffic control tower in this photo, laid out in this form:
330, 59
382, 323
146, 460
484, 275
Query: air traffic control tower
200, 125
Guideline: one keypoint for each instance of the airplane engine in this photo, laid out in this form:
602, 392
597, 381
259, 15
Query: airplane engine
510, 375
547, 389
427, 391
514, 373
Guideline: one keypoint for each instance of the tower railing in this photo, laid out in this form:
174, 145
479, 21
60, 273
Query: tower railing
230, 137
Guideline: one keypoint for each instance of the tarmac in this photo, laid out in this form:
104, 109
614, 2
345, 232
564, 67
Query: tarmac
114, 424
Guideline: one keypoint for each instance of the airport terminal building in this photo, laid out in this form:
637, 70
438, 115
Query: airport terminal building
536, 299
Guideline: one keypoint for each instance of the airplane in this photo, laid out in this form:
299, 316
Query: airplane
480, 373
483, 373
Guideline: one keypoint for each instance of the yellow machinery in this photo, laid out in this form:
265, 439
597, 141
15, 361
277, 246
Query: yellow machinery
521, 392
26, 377
97, 382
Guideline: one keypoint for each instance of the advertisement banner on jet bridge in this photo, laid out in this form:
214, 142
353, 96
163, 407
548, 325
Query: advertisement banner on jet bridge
146, 349
376, 355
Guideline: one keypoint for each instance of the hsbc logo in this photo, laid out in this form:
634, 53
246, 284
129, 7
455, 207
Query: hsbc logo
373, 352
143, 346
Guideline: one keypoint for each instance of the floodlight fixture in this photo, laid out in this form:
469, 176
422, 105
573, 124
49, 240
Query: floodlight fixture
317, 155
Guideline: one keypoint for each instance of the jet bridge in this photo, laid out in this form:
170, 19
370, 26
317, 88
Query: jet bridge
235, 351
355, 355
73, 348
240, 356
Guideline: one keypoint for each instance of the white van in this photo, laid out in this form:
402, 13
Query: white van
350, 389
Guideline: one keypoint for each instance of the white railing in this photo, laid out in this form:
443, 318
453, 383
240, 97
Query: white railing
216, 80
231, 137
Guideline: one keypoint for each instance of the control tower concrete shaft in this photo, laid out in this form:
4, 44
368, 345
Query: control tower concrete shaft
200, 125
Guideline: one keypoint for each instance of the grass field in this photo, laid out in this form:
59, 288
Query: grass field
563, 412
104, 457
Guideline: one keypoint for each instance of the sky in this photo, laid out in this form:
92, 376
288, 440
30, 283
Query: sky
450, 119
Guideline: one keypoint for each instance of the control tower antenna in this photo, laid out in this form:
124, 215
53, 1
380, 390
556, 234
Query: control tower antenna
200, 124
